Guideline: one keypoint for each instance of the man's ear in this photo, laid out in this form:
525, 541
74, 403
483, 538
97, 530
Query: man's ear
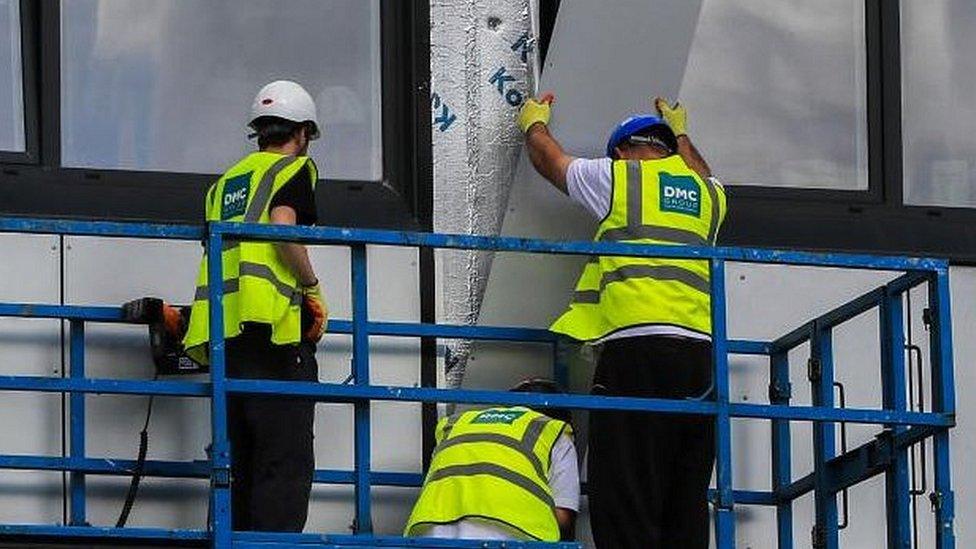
618, 153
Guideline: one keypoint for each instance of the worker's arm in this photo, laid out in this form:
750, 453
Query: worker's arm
546, 153
692, 157
677, 118
566, 518
565, 485
295, 256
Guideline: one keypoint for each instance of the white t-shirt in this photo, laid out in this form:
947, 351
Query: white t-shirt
589, 181
563, 481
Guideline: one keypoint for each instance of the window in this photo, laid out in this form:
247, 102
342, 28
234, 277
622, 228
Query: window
938, 110
167, 86
777, 92
12, 131
126, 109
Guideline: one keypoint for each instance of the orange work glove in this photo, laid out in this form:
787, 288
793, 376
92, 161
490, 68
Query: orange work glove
313, 303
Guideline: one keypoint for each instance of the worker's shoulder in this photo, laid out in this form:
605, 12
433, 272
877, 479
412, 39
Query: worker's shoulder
590, 169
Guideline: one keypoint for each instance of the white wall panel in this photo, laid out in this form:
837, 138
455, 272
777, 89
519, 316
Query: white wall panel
29, 273
111, 272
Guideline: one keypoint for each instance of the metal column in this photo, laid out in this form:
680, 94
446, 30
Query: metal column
943, 401
821, 375
724, 502
360, 371
77, 423
782, 475
894, 396
221, 524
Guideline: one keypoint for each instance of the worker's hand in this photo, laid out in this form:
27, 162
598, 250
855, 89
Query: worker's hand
535, 111
313, 303
675, 115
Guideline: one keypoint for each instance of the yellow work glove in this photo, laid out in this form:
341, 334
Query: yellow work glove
676, 116
313, 303
535, 111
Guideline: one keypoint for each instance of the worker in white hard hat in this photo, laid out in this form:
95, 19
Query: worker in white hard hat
648, 474
274, 313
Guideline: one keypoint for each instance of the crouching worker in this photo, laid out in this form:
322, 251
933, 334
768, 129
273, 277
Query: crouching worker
504, 473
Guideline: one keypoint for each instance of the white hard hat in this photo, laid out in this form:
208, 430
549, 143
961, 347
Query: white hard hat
288, 100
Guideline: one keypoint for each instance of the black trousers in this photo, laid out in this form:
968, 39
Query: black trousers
272, 457
648, 474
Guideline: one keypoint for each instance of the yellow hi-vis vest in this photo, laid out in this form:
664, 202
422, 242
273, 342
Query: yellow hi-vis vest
258, 286
492, 465
653, 202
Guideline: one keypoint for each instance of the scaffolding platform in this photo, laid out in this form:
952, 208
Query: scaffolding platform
834, 471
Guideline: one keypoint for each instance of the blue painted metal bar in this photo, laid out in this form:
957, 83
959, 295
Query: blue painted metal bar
65, 312
447, 331
100, 228
107, 466
782, 475
183, 469
859, 464
104, 386
360, 373
894, 397
943, 401
747, 347
262, 540
496, 333
220, 509
724, 503
336, 392
350, 393
821, 368
345, 236
76, 421
91, 534
849, 310
751, 497
830, 472
906, 282
830, 319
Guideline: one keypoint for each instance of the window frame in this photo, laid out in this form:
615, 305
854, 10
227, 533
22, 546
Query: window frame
28, 85
873, 220
36, 184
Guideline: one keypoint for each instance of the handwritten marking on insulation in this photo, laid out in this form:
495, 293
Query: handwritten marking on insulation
503, 82
446, 117
523, 45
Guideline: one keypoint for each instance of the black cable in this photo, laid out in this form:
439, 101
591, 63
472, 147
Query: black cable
130, 497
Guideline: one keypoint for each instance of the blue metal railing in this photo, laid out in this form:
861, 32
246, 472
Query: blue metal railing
832, 472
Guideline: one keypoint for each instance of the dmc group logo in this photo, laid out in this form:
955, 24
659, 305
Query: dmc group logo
498, 416
680, 194
234, 199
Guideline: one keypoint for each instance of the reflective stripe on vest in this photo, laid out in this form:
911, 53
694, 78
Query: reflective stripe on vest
654, 202
258, 286
256, 270
495, 469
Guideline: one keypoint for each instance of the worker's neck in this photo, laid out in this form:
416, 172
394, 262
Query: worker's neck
290, 148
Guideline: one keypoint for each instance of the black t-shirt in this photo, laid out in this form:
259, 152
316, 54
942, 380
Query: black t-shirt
298, 194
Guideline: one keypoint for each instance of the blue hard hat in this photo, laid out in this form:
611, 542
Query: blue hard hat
630, 127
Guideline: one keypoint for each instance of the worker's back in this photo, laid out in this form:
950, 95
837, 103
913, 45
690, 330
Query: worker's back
492, 465
652, 202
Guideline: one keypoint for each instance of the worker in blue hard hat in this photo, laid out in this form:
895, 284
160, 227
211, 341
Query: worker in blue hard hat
648, 474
